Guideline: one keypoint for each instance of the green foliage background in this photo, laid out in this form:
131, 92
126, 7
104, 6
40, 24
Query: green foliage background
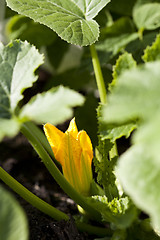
126, 37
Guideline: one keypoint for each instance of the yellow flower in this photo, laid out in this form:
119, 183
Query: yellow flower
73, 150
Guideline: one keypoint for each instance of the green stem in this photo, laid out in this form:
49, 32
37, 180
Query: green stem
103, 97
57, 175
101, 87
98, 75
42, 138
47, 208
31, 198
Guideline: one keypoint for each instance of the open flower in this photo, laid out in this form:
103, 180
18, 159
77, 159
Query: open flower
73, 150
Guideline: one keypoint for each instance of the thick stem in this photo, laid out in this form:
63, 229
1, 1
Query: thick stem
31, 198
42, 138
98, 75
47, 208
57, 175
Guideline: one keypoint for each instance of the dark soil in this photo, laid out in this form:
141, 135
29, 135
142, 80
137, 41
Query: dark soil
19, 159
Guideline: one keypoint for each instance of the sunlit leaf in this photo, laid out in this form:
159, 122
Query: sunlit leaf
54, 106
18, 61
147, 16
135, 96
72, 20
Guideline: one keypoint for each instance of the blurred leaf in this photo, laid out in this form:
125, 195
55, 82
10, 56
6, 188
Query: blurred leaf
13, 222
136, 95
21, 27
71, 20
8, 127
114, 45
54, 106
147, 15
121, 26
152, 53
104, 19
137, 46
138, 170
116, 37
113, 131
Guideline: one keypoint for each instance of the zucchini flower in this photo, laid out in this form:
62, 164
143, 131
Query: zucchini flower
73, 150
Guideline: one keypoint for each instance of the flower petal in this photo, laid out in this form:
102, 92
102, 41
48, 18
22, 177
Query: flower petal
72, 129
69, 155
85, 143
54, 136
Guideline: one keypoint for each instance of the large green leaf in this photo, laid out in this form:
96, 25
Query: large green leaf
135, 96
139, 170
112, 131
70, 19
18, 61
13, 222
54, 106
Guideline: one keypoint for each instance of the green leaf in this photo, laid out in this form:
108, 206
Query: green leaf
21, 27
147, 16
13, 222
105, 168
124, 62
120, 212
136, 47
152, 53
70, 19
114, 45
54, 106
136, 95
112, 131
18, 61
138, 170
121, 26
